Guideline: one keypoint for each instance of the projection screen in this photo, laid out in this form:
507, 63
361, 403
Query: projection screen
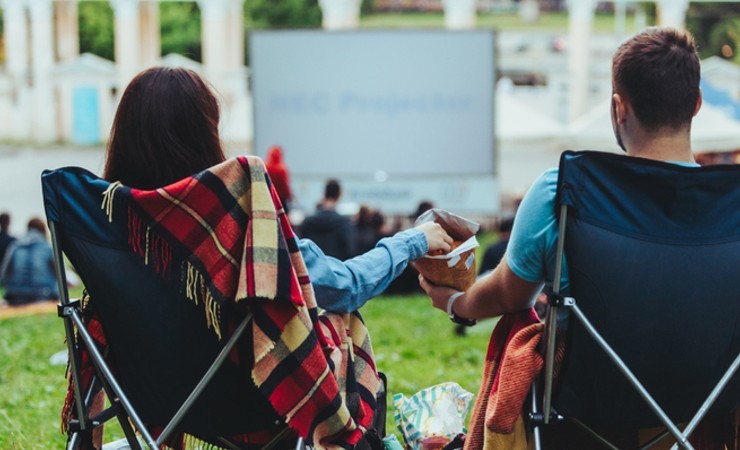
398, 116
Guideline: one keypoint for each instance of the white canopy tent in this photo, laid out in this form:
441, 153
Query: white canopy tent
528, 142
712, 131
723, 74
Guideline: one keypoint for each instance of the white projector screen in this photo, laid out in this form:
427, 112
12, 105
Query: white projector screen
377, 107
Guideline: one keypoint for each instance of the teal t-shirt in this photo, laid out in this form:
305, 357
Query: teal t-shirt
532, 248
533, 244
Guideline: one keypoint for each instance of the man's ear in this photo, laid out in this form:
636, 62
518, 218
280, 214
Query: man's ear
698, 104
620, 108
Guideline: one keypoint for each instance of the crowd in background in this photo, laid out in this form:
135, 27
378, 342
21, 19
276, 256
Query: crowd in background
27, 271
27, 266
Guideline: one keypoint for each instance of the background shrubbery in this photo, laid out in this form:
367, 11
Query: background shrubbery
715, 25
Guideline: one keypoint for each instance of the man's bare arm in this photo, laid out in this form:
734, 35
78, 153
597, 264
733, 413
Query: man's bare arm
500, 292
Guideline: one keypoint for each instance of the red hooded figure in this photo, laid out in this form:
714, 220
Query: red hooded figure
279, 174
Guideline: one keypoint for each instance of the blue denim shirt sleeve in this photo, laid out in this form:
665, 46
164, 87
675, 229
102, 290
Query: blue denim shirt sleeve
344, 286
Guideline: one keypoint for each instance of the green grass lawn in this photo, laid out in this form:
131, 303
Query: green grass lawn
414, 345
31, 389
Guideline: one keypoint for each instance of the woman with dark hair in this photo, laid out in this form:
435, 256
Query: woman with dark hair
166, 129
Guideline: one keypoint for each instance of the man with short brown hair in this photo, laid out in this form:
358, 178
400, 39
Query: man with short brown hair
655, 80
655, 77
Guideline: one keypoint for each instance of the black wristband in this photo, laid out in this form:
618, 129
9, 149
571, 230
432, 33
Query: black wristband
454, 317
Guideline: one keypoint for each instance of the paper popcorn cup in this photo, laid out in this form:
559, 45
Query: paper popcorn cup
455, 269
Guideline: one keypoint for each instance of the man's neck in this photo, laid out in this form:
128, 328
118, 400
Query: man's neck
329, 203
670, 147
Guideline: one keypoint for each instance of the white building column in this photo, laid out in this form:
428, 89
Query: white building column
580, 24
150, 40
44, 126
236, 120
67, 29
15, 23
529, 10
126, 40
17, 63
215, 37
237, 36
459, 14
672, 13
341, 14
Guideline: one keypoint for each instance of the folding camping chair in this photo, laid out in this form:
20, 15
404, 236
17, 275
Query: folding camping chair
653, 335
173, 373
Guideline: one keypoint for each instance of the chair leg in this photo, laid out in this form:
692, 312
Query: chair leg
75, 441
229, 444
536, 438
113, 389
122, 416
631, 378
277, 439
128, 430
223, 354
724, 381
534, 407
594, 434
655, 440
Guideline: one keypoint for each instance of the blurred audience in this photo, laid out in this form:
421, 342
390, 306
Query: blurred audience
424, 206
493, 254
408, 281
331, 231
27, 270
5, 237
370, 228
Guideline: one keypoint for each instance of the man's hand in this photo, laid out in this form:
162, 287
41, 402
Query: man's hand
500, 292
438, 294
437, 237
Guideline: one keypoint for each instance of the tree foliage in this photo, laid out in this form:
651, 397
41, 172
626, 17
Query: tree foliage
283, 14
96, 28
180, 24
2, 37
716, 25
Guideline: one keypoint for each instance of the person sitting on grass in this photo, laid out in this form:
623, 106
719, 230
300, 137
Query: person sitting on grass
27, 271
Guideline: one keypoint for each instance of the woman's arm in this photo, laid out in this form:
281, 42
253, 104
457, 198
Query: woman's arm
344, 286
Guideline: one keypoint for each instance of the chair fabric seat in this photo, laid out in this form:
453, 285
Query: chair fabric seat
652, 250
161, 362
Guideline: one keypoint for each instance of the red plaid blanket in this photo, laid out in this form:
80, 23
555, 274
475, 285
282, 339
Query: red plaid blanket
225, 229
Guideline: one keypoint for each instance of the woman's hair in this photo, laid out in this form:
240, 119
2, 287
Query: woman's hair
165, 129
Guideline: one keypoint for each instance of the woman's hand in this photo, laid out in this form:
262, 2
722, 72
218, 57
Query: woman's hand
438, 294
437, 237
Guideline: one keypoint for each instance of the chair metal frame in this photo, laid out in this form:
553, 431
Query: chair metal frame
121, 407
548, 415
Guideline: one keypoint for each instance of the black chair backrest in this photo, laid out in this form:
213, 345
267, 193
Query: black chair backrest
159, 344
653, 251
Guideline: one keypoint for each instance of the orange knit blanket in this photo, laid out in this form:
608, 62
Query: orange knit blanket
512, 363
